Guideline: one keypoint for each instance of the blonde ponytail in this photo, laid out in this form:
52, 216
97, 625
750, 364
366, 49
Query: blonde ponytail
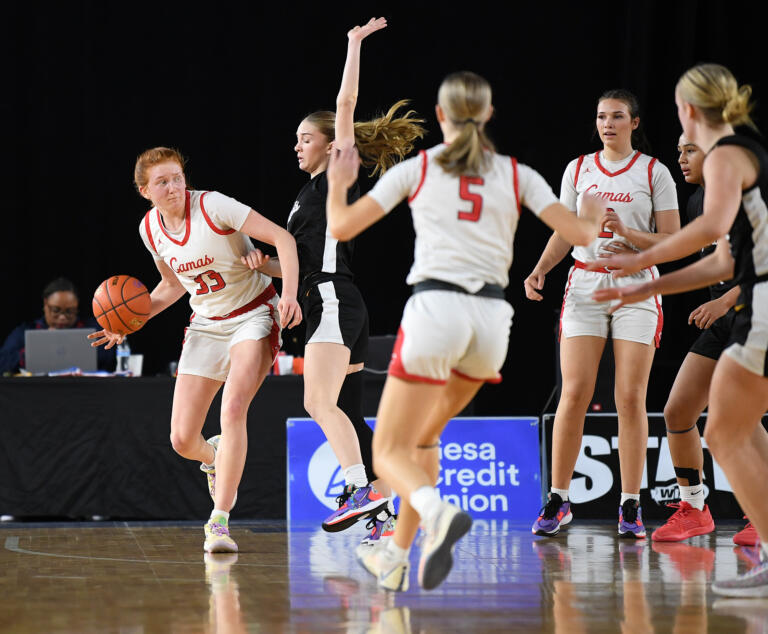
382, 141
465, 99
714, 90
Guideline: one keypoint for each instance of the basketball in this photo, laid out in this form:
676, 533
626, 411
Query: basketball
121, 304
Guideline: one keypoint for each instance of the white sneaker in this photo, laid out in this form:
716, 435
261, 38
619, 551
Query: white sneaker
210, 472
391, 573
217, 538
441, 534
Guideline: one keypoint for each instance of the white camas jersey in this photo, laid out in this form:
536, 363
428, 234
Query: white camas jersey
465, 226
205, 254
634, 188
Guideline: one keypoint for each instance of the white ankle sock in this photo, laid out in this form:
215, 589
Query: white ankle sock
398, 554
629, 496
218, 513
426, 502
563, 493
355, 474
693, 495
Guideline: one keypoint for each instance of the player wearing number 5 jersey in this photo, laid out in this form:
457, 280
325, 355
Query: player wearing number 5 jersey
642, 208
465, 201
197, 240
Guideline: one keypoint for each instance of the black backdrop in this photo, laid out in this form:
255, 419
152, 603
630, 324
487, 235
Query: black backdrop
88, 85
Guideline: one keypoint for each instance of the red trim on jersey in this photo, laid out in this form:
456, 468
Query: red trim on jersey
265, 296
517, 184
187, 221
423, 175
396, 368
660, 320
650, 174
580, 265
148, 231
578, 169
221, 232
622, 170
562, 309
466, 377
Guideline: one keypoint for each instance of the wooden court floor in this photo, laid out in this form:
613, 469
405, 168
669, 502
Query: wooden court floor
133, 578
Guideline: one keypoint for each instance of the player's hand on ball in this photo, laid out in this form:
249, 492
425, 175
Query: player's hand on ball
106, 338
290, 312
255, 259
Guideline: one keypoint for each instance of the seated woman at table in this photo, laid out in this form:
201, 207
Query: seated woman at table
61, 306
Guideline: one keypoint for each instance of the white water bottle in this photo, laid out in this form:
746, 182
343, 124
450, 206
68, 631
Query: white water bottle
123, 354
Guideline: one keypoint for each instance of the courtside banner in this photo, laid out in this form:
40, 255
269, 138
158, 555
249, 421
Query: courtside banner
595, 489
488, 466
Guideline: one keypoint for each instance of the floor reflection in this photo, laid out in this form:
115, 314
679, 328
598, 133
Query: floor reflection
154, 578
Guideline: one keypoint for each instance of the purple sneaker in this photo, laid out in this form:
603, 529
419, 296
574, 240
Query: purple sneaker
631, 520
753, 583
555, 514
380, 529
354, 504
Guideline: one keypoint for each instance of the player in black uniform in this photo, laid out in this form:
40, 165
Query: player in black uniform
709, 103
335, 314
690, 392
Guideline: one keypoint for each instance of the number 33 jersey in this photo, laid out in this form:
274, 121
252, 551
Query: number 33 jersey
465, 225
205, 253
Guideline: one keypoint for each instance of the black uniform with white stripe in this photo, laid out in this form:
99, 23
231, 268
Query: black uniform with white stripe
334, 310
749, 247
713, 340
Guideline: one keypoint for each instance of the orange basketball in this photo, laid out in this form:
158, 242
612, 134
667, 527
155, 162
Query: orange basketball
121, 304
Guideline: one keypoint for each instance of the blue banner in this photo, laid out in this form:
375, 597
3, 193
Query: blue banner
488, 466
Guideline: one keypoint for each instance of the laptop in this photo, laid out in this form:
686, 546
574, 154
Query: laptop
59, 349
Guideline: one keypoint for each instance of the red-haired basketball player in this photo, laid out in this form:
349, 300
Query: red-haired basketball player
198, 240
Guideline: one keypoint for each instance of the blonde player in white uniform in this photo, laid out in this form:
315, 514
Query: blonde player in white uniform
198, 240
465, 201
642, 209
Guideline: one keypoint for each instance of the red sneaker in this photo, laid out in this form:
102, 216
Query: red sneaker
690, 561
747, 536
685, 522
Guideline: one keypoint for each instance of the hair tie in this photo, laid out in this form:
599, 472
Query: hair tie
470, 120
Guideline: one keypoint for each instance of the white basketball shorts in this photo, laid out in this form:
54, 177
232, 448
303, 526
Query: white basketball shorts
447, 331
583, 316
205, 351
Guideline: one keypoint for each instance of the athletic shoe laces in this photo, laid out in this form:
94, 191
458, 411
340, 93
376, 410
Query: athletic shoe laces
219, 529
345, 495
552, 506
680, 515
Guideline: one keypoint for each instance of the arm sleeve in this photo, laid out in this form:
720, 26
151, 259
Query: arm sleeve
568, 193
535, 192
147, 244
397, 183
664, 189
225, 212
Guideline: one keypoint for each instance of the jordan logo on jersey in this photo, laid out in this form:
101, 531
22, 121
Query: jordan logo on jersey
294, 209
192, 264
611, 196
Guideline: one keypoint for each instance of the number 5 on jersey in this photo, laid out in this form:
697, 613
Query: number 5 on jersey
470, 196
